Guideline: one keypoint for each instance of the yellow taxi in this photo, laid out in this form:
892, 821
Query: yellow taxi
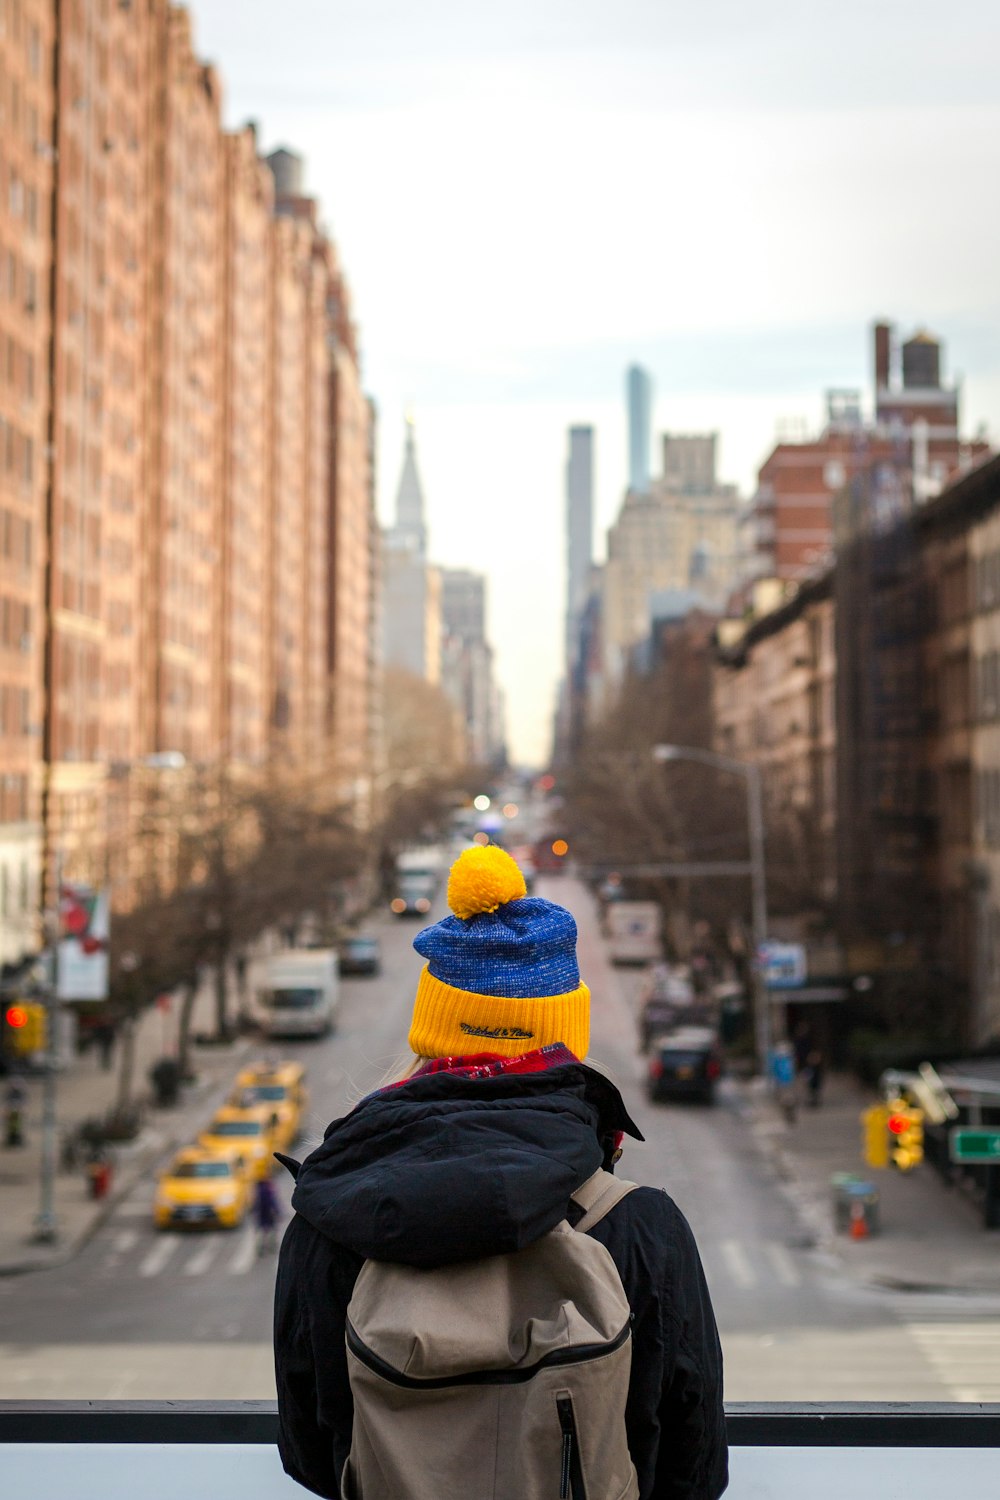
281, 1089
246, 1126
203, 1189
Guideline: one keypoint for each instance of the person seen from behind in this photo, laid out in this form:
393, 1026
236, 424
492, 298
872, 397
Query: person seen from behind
468, 1302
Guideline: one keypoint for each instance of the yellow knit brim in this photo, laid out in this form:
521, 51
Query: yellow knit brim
449, 1022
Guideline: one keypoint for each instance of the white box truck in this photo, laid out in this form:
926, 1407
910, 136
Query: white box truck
633, 932
418, 875
298, 992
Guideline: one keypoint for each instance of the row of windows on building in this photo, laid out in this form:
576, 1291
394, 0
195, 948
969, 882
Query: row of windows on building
21, 198
20, 32
988, 806
15, 537
13, 798
988, 685
18, 282
18, 115
15, 712
17, 368
15, 890
15, 624
17, 452
986, 581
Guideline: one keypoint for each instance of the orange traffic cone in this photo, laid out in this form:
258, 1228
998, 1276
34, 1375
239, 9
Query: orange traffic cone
859, 1224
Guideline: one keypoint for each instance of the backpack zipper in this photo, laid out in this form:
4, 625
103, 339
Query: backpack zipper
572, 1355
571, 1485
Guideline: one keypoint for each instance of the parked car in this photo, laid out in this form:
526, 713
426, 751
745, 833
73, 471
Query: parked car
281, 1089
360, 954
684, 1064
203, 1189
667, 1000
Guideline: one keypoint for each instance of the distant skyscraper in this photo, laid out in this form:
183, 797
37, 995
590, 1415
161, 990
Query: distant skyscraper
640, 415
410, 529
579, 527
411, 588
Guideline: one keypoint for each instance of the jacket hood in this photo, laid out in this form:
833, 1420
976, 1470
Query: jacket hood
445, 1168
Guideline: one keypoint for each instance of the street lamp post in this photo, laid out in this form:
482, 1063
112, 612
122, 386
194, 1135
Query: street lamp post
758, 888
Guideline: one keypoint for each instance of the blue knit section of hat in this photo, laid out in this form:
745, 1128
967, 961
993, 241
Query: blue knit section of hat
524, 950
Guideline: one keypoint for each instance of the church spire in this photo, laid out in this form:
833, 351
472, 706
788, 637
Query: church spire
410, 529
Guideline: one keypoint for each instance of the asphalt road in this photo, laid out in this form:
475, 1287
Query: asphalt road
141, 1314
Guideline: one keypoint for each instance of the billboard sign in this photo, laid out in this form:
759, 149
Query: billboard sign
783, 965
82, 957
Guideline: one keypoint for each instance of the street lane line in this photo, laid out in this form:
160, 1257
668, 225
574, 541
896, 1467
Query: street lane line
202, 1259
783, 1265
125, 1241
153, 1263
245, 1255
737, 1263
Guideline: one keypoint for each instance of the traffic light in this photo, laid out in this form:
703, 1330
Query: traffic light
905, 1126
25, 1028
874, 1138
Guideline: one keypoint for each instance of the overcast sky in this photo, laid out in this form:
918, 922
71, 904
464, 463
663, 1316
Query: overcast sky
529, 197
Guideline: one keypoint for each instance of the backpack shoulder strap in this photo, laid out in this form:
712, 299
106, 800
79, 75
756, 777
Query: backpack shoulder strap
598, 1196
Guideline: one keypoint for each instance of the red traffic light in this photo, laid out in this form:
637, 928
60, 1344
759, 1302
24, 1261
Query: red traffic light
16, 1016
897, 1124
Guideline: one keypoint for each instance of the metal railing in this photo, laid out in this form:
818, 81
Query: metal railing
226, 1450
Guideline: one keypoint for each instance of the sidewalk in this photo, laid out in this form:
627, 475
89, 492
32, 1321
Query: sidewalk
931, 1239
85, 1088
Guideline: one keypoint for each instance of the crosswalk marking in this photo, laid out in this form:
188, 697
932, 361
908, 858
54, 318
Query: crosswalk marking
153, 1263
738, 1263
202, 1258
782, 1264
245, 1255
966, 1356
745, 1265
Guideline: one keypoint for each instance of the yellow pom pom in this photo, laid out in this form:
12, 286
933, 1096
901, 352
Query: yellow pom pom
482, 879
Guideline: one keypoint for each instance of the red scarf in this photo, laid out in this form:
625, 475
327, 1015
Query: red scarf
492, 1065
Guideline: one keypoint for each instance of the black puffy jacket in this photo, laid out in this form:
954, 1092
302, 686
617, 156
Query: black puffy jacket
445, 1169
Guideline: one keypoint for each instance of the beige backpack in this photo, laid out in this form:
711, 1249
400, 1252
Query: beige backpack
496, 1379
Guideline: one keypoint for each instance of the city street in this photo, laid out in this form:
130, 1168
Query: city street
139, 1314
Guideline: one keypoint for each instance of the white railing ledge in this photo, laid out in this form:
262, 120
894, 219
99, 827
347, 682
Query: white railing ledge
226, 1450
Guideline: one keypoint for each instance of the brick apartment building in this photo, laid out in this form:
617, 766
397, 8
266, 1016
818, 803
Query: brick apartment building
27, 106
871, 701
914, 431
186, 510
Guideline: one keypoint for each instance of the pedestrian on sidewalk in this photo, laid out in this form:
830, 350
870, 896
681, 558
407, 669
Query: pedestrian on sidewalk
431, 1240
267, 1215
808, 1063
814, 1077
104, 1036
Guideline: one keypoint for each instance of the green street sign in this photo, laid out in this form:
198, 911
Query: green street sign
974, 1145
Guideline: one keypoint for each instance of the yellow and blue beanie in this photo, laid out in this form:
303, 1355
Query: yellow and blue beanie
501, 973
